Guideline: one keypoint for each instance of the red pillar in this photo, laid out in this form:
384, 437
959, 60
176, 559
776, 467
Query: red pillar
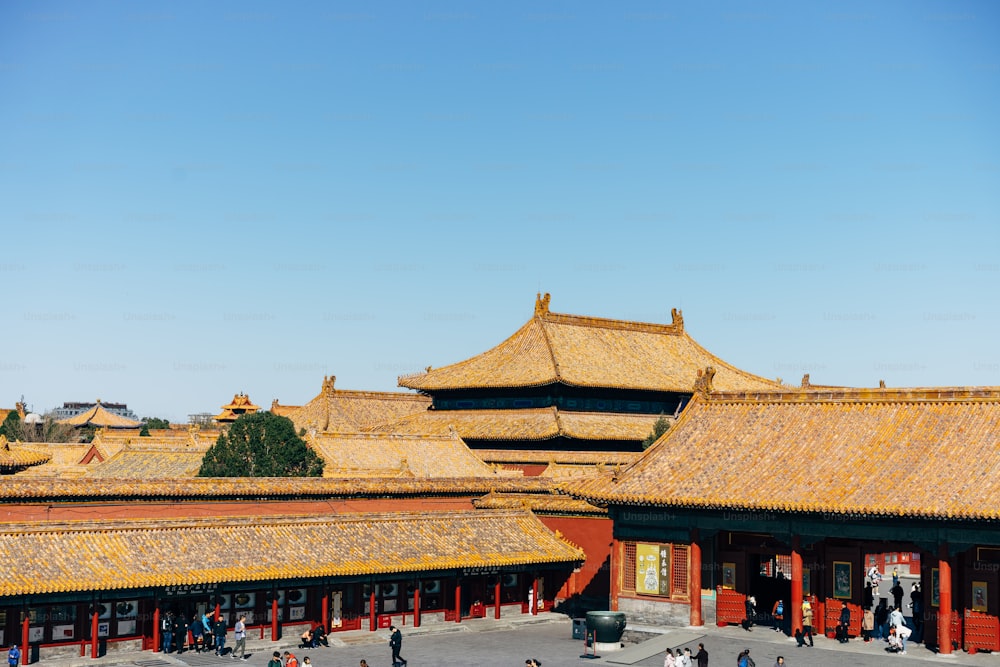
458, 602
325, 610
372, 616
613, 573
694, 583
274, 619
796, 601
496, 599
25, 655
93, 635
156, 630
944, 609
534, 596
416, 605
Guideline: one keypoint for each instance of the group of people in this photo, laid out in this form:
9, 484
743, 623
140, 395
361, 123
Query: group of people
202, 633
683, 658
314, 637
289, 660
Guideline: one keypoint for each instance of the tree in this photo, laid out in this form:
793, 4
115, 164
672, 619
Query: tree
659, 428
11, 426
154, 423
261, 445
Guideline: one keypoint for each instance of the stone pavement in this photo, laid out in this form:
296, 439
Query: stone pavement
510, 641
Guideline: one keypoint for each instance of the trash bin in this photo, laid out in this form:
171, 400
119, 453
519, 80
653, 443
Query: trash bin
579, 628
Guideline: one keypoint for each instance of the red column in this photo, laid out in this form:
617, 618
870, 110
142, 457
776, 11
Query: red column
796, 601
93, 635
944, 609
25, 655
496, 599
156, 630
274, 619
325, 610
534, 596
614, 574
373, 616
416, 605
694, 583
458, 602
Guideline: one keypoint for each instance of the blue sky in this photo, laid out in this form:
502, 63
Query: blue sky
199, 199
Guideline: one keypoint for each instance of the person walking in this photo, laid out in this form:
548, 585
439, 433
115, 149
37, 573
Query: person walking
897, 595
219, 632
668, 659
275, 660
240, 634
396, 644
778, 612
702, 656
684, 659
167, 627
807, 620
291, 660
13, 655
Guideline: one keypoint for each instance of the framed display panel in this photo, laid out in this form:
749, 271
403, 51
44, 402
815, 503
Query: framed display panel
980, 596
842, 580
729, 575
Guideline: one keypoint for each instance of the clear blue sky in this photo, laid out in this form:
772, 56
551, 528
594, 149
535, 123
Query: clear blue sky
202, 198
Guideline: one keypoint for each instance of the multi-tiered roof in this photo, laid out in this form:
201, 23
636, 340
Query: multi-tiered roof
586, 380
581, 351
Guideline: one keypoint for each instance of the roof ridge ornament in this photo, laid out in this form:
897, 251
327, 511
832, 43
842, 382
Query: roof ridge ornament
677, 319
542, 304
805, 381
703, 383
328, 382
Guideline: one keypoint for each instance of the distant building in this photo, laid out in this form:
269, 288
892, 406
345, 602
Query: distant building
240, 405
69, 410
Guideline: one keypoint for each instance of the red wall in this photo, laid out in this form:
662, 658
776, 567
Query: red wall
593, 535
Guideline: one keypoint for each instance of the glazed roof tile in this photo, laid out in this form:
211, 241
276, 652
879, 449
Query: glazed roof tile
343, 411
819, 443
546, 456
137, 462
354, 454
46, 558
527, 424
589, 352
542, 503
17, 455
99, 416
18, 488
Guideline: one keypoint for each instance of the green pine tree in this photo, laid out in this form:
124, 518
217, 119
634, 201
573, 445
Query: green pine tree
11, 426
659, 428
261, 445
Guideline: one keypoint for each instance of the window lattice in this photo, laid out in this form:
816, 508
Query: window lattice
628, 563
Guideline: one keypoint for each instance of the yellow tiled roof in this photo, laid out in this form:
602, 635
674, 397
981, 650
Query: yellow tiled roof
538, 502
900, 452
64, 460
527, 424
17, 455
52, 558
354, 454
135, 462
241, 402
589, 352
18, 487
99, 416
343, 411
545, 456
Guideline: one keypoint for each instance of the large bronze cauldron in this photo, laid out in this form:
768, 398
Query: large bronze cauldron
609, 626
